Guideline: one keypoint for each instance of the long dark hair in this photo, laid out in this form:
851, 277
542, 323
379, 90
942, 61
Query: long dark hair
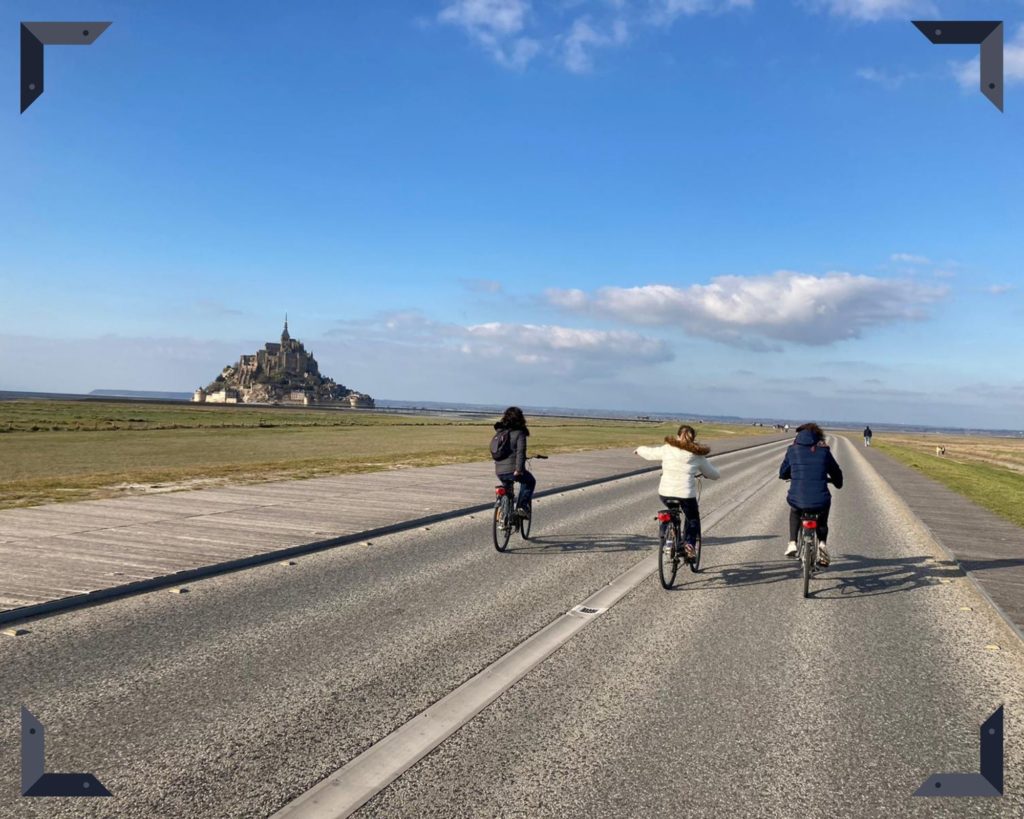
819, 435
688, 434
514, 419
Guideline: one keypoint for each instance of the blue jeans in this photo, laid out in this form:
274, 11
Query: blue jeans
527, 483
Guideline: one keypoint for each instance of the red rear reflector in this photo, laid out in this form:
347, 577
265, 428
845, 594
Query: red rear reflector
664, 517
810, 524
499, 490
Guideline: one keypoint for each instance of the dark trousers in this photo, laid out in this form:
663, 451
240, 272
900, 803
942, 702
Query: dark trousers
691, 513
527, 483
794, 522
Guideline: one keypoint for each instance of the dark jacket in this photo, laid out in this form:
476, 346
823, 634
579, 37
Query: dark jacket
808, 464
867, 432
516, 461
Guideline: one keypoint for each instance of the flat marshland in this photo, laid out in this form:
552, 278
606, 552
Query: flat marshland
77, 450
988, 471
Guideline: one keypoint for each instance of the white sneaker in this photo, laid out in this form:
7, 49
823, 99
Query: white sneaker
791, 549
824, 558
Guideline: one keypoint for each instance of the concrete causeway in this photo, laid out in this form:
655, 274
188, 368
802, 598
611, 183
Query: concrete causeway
989, 548
61, 555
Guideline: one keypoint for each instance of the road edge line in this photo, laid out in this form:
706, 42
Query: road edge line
937, 540
79, 601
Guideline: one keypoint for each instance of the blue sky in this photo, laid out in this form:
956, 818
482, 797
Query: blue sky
793, 209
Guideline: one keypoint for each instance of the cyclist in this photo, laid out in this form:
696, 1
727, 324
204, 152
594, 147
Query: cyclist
512, 465
810, 465
682, 461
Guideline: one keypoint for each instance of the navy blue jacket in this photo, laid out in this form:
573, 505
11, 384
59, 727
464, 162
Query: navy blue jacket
809, 464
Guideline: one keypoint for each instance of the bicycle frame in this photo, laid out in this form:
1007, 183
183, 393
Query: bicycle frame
808, 553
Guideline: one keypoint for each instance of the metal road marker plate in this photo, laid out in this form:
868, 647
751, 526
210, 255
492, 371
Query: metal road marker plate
587, 610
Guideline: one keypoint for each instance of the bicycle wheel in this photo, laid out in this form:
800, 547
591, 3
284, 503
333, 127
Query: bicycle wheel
668, 555
502, 526
808, 554
695, 563
525, 524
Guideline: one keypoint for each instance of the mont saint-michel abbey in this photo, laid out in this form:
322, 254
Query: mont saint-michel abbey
280, 373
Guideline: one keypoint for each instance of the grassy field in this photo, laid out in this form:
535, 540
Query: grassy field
988, 471
65, 451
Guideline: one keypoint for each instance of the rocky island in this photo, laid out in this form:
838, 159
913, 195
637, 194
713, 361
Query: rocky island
281, 373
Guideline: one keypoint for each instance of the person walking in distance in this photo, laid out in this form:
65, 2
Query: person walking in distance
683, 460
867, 436
508, 449
809, 466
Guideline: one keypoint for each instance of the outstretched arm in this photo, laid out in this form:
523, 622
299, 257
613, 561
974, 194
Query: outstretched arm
649, 453
708, 470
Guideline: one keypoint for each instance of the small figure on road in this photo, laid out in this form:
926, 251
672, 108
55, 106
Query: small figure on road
809, 465
683, 460
867, 436
508, 449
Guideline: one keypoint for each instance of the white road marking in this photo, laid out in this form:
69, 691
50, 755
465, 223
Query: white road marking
344, 791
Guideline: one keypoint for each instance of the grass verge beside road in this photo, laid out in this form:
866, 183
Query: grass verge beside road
66, 451
997, 488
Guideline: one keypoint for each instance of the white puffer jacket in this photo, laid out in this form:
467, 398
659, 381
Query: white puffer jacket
679, 468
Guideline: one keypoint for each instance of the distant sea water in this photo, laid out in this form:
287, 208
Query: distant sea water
489, 410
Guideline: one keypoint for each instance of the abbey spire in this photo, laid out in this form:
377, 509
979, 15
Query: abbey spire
284, 333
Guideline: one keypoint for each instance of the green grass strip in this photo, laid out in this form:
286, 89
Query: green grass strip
994, 488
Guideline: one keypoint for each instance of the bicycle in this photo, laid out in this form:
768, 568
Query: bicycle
506, 520
670, 544
807, 548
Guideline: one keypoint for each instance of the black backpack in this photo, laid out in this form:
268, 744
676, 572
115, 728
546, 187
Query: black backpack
501, 445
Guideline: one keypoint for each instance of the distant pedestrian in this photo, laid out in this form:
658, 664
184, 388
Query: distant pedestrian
867, 436
787, 427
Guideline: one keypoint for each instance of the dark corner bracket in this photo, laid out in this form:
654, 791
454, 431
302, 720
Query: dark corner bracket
987, 33
36, 35
34, 779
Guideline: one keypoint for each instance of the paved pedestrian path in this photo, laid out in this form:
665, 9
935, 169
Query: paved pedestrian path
988, 547
60, 555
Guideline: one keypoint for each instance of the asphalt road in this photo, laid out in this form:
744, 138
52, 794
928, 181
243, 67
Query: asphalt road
730, 696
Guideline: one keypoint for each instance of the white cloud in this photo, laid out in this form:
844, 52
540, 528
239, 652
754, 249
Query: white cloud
498, 17
968, 73
872, 10
664, 12
760, 311
910, 258
550, 349
1000, 289
514, 32
496, 25
583, 37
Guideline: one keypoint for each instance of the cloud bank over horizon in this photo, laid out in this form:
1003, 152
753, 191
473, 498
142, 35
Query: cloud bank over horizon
760, 312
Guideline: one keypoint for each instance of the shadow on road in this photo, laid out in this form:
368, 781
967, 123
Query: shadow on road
560, 544
850, 575
725, 541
